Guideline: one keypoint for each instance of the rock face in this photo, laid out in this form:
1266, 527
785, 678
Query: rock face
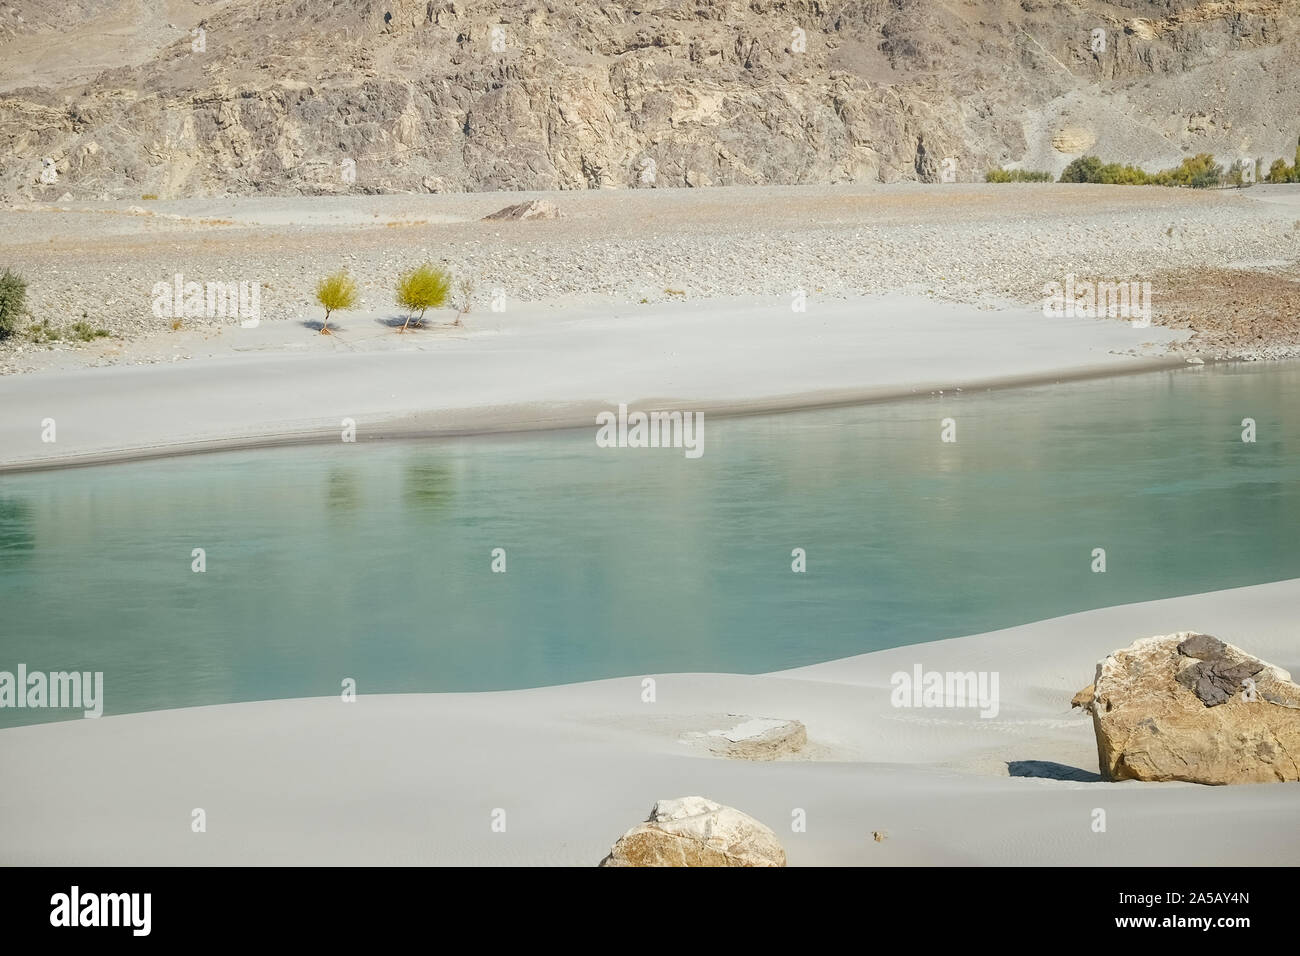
534, 209
694, 831
1189, 707
339, 96
1072, 139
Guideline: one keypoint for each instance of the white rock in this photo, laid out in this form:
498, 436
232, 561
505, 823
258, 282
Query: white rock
696, 831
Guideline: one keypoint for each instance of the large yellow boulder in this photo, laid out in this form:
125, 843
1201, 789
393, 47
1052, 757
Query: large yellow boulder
1187, 706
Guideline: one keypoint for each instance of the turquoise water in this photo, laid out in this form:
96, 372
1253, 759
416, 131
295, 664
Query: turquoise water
373, 561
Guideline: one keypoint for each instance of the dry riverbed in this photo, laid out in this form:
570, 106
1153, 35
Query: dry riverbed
1222, 263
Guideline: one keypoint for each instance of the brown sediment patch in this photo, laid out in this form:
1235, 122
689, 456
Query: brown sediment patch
1233, 312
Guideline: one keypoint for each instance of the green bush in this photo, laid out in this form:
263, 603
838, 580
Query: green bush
1199, 172
1085, 169
85, 332
1001, 175
336, 292
1090, 169
13, 301
423, 288
1280, 172
1236, 174
41, 332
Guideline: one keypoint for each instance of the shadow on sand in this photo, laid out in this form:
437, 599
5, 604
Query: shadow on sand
1050, 770
396, 322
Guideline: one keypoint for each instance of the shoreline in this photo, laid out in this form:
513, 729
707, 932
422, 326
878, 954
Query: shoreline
545, 368
503, 421
575, 765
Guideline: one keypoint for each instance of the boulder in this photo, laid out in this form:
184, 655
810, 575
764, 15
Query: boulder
694, 831
1189, 707
533, 209
752, 738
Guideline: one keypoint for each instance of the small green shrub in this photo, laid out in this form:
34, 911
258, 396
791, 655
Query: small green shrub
41, 332
1000, 175
424, 287
337, 291
13, 301
85, 332
1085, 169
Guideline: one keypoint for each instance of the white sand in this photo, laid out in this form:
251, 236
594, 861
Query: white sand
414, 779
536, 367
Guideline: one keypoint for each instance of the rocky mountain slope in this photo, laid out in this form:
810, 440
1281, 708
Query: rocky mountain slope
172, 98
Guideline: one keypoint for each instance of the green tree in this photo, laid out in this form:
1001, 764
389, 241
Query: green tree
1085, 169
1279, 172
1202, 171
13, 301
336, 292
424, 287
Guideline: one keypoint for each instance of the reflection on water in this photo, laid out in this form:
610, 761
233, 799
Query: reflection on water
374, 562
343, 489
427, 486
17, 540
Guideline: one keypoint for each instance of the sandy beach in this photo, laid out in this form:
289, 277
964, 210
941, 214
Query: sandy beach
538, 367
414, 779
